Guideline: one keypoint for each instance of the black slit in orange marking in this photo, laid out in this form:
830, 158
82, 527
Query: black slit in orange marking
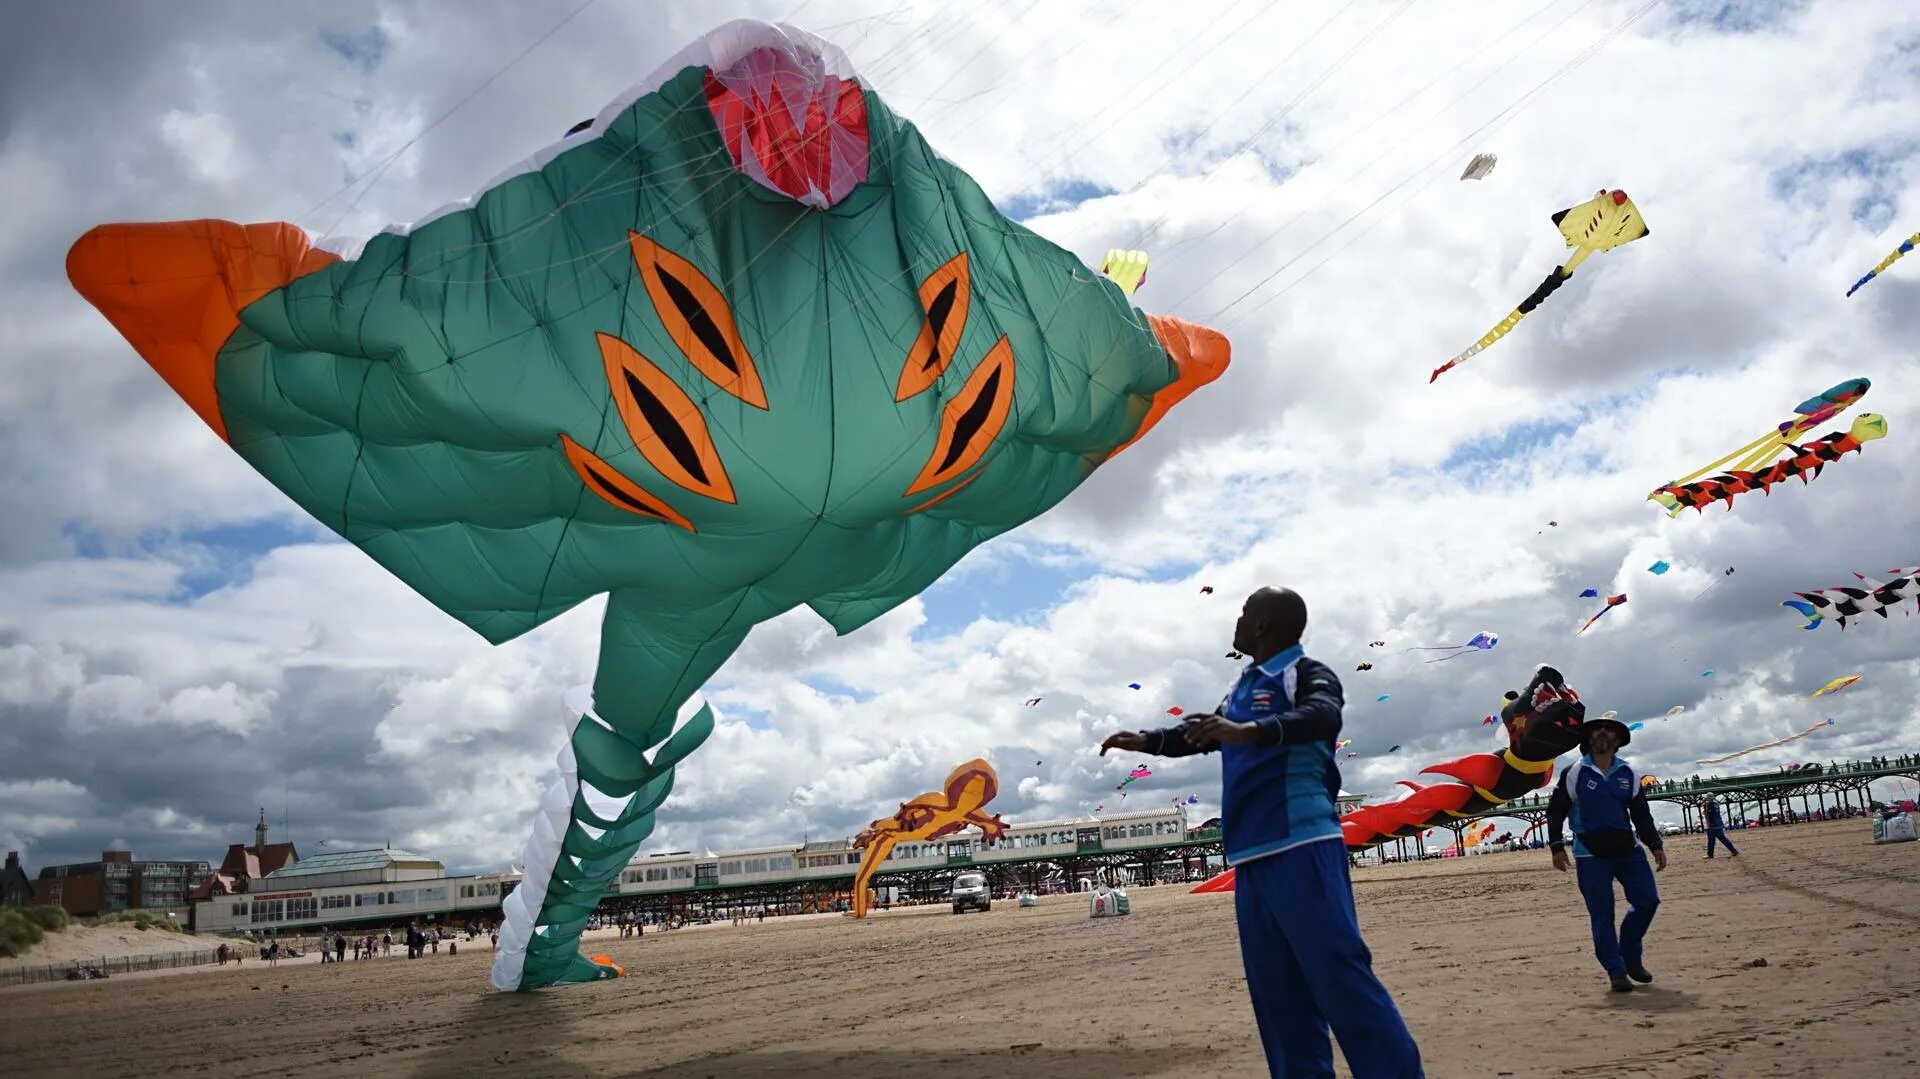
971, 420
617, 490
664, 423
699, 320
945, 295
671, 434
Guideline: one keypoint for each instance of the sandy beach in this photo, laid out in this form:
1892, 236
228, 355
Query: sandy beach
89, 943
1488, 958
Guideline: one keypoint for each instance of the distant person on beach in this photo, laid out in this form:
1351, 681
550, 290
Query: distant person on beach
1717, 829
1307, 967
1601, 795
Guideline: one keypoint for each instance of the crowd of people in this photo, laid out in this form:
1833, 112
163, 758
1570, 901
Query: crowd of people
419, 941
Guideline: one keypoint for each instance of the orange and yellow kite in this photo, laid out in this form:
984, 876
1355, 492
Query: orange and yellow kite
961, 802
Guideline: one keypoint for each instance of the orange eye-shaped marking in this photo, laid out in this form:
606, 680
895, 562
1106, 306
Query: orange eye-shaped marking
942, 496
666, 426
971, 420
698, 319
944, 295
621, 492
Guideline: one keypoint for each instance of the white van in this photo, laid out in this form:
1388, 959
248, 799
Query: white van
970, 892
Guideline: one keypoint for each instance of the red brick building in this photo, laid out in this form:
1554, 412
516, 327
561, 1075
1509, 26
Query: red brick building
116, 882
243, 864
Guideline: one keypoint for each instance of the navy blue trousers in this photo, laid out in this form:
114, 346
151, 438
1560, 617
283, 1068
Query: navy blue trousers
1714, 835
1616, 950
1307, 968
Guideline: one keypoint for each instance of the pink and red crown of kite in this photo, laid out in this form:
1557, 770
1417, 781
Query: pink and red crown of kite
797, 131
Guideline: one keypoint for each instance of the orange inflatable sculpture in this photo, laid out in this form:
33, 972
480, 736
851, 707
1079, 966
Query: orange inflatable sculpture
961, 802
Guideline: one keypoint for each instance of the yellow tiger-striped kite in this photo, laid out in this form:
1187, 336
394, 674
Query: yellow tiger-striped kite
1602, 223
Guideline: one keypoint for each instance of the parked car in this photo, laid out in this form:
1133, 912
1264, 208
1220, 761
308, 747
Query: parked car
970, 892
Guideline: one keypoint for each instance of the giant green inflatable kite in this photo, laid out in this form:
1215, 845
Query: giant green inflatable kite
743, 342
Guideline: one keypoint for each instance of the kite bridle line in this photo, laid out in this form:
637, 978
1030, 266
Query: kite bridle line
1377, 158
1285, 111
1363, 128
373, 178
1498, 119
1152, 227
1067, 156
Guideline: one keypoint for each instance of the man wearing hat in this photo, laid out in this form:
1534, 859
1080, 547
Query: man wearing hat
1601, 795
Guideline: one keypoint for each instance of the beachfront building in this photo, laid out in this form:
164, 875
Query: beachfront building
378, 885
1142, 847
381, 886
116, 882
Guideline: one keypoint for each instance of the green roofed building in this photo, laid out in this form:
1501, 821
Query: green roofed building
375, 865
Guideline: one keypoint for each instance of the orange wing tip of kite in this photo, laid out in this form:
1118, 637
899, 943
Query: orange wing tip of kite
1200, 355
607, 961
1222, 882
175, 290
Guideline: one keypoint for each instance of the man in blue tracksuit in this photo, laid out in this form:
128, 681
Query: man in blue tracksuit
1601, 796
1299, 939
1717, 829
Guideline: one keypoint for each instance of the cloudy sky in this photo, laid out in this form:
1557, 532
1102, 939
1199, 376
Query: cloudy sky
180, 645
